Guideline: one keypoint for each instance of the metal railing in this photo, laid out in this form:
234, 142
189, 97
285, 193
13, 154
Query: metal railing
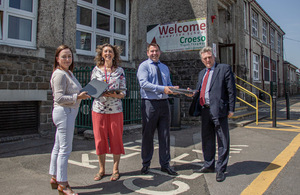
239, 87
131, 103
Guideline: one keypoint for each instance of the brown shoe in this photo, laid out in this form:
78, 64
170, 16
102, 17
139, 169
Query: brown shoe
115, 176
53, 183
99, 176
65, 190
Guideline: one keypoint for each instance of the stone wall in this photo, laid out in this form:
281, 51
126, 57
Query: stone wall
22, 74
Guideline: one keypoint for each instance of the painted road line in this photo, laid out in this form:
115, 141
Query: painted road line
291, 124
190, 177
85, 162
273, 129
287, 124
182, 187
264, 180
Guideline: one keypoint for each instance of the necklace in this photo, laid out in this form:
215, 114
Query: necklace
107, 79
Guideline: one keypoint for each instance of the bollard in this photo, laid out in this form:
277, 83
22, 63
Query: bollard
287, 105
274, 109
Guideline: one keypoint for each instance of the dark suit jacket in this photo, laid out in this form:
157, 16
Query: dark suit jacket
222, 92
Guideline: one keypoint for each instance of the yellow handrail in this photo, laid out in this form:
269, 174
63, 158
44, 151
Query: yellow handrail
253, 95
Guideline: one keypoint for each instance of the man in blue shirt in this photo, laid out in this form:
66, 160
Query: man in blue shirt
155, 83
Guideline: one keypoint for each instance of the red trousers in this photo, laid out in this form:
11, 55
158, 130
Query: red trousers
108, 133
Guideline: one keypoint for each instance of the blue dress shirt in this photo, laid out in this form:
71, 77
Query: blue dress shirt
147, 76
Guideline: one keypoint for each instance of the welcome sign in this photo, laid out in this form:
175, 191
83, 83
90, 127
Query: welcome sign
184, 35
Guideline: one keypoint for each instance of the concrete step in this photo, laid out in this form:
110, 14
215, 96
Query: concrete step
246, 121
242, 114
241, 109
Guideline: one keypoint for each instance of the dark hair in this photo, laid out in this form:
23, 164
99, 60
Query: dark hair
57, 52
154, 45
100, 60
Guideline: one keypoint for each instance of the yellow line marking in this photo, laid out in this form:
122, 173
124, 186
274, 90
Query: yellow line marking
274, 129
287, 124
294, 123
261, 183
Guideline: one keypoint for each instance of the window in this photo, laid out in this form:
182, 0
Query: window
278, 44
102, 21
18, 23
265, 32
274, 70
266, 69
272, 38
254, 24
255, 67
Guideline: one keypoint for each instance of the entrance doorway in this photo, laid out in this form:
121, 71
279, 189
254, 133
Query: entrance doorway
227, 55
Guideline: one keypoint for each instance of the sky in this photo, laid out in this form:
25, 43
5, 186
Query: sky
286, 14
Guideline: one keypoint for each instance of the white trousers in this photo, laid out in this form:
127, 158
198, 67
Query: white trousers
64, 120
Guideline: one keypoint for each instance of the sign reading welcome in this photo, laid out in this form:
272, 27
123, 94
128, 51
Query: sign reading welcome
179, 36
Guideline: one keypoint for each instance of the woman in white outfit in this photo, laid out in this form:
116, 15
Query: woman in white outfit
67, 98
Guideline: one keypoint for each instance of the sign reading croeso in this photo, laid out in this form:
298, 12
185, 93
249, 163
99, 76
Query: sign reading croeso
179, 36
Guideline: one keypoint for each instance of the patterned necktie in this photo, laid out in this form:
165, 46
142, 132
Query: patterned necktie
158, 73
202, 92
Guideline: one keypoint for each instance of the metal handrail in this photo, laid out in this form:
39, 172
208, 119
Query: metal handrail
251, 94
244, 89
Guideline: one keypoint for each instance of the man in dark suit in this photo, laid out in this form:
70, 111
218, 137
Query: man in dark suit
215, 102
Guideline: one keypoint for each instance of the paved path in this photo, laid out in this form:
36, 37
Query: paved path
263, 160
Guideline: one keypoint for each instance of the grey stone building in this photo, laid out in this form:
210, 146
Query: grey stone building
31, 31
263, 49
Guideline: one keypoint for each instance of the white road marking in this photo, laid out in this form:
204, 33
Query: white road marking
182, 187
178, 159
192, 176
85, 162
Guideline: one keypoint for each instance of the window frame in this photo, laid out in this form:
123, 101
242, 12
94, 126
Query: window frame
32, 16
272, 38
266, 68
254, 68
254, 23
94, 31
279, 43
265, 32
274, 70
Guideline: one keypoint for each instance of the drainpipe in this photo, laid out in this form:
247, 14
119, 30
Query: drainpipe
262, 67
250, 46
64, 21
277, 73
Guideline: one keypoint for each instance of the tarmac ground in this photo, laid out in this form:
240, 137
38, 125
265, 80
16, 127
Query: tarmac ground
264, 159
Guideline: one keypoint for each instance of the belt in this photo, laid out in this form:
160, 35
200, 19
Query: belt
205, 106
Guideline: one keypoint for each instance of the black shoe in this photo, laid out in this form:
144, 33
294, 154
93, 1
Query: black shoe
145, 170
204, 170
220, 176
169, 170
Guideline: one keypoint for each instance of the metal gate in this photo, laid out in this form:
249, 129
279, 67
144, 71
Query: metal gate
131, 103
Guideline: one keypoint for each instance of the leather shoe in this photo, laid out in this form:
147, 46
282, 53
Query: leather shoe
220, 176
169, 170
145, 170
204, 170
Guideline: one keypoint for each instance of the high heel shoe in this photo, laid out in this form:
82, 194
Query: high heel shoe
53, 183
65, 190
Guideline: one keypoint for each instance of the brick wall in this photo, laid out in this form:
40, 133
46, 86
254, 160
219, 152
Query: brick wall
27, 73
185, 74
